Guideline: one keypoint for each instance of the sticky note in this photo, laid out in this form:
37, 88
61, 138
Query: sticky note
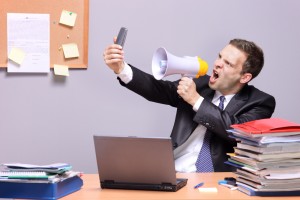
17, 55
67, 18
61, 70
70, 50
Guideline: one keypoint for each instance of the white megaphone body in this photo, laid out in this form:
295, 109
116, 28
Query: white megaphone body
165, 64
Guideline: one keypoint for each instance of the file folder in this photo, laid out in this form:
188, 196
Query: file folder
268, 126
27, 190
251, 192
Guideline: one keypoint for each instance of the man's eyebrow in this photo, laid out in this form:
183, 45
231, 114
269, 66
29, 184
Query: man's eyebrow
229, 63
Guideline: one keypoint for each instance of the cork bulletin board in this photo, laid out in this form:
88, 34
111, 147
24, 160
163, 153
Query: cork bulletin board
59, 33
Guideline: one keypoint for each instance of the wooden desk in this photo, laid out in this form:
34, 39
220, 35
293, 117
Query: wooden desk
91, 190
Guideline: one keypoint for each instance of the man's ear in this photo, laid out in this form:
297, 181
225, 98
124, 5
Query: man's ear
246, 78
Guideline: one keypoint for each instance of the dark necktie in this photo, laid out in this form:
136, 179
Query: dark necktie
204, 162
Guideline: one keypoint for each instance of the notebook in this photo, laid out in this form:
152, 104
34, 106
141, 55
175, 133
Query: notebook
136, 163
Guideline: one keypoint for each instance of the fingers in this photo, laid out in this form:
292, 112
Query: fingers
187, 90
186, 87
186, 83
182, 90
113, 53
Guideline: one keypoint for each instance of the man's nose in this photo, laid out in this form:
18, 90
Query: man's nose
218, 64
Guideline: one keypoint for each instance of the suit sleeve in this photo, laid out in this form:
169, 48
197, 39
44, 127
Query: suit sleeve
258, 105
159, 91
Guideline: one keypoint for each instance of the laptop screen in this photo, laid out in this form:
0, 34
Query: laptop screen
135, 159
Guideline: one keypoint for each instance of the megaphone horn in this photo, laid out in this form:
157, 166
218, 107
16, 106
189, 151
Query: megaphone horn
165, 64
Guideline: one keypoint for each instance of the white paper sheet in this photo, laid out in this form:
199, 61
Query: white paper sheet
30, 33
294, 175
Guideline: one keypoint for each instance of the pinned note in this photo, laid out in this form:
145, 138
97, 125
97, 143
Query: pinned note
70, 50
67, 18
61, 70
17, 55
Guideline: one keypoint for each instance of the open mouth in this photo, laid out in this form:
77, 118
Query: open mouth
215, 74
214, 77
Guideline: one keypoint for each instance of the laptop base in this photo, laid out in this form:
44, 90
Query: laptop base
181, 182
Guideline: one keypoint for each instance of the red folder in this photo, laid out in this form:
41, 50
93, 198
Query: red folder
270, 125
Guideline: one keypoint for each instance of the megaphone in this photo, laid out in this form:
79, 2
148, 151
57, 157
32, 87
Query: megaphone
165, 64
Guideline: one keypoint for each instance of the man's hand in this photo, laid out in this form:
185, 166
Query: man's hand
114, 57
187, 90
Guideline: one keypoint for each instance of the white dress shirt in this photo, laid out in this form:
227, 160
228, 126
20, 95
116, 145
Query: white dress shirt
186, 154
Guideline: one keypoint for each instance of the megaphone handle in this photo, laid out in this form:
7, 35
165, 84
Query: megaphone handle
182, 75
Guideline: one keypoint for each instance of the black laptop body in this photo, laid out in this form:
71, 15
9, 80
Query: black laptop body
136, 163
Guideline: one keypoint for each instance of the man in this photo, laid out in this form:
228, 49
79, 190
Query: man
200, 123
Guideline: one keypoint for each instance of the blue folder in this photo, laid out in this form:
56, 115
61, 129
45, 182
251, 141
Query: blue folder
40, 190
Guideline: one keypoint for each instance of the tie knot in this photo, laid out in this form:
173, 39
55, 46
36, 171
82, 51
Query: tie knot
222, 98
221, 104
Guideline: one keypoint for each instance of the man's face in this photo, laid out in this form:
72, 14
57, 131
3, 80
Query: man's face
226, 76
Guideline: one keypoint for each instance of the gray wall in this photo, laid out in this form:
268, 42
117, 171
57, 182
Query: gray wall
47, 119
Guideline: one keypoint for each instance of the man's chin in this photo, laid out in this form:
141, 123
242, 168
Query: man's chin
212, 85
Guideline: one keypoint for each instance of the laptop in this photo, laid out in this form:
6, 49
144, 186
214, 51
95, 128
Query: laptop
136, 163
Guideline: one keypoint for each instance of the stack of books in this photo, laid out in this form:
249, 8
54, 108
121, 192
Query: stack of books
267, 157
27, 181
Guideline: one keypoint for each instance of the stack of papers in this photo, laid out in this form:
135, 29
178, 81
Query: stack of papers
27, 181
267, 157
20, 172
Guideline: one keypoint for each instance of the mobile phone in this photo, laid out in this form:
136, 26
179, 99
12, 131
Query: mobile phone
122, 36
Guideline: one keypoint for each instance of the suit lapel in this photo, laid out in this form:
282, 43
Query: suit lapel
208, 94
238, 100
235, 103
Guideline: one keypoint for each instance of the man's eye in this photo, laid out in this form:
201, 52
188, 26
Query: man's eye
228, 64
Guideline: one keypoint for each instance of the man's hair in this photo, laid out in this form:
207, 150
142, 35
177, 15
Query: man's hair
255, 56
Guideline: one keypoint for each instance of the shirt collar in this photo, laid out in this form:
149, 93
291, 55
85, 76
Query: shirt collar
217, 95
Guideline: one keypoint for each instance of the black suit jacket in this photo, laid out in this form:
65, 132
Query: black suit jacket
249, 104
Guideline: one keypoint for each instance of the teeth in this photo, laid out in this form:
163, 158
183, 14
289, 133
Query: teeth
216, 74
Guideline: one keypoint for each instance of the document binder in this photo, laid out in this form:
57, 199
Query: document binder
268, 126
252, 192
28, 190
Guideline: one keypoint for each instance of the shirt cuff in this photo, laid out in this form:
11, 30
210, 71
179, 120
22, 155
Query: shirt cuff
126, 74
198, 104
